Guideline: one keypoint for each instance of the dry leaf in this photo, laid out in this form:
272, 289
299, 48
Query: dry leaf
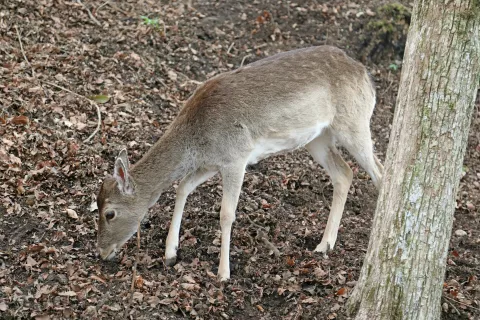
190, 286
153, 301
189, 279
139, 282
3, 306
172, 75
336, 307
94, 277
31, 262
72, 214
68, 294
290, 261
309, 300
20, 120
341, 292
137, 296
319, 273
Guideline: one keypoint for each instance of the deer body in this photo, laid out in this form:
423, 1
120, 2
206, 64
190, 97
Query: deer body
311, 98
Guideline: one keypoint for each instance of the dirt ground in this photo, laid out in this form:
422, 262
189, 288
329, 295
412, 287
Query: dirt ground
55, 53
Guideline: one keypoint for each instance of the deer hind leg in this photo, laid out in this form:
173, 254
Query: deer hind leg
358, 141
232, 177
186, 186
324, 152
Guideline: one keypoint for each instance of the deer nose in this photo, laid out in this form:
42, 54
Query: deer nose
106, 254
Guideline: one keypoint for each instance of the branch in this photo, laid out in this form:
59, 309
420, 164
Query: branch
99, 115
460, 302
26, 60
101, 6
90, 13
99, 123
134, 275
243, 60
23, 51
268, 244
263, 237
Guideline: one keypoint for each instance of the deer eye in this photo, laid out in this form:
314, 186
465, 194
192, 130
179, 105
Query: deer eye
109, 215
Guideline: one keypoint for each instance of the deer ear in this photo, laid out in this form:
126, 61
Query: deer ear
120, 173
123, 155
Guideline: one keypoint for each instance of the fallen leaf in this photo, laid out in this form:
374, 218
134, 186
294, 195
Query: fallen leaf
31, 262
100, 98
20, 120
72, 214
172, 75
139, 282
3, 306
137, 296
290, 261
189, 279
68, 294
309, 300
35, 248
189, 286
94, 277
336, 307
319, 273
341, 292
153, 301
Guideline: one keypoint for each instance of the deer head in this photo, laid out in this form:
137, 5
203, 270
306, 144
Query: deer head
121, 206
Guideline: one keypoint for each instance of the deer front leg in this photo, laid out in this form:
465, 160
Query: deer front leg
187, 185
232, 184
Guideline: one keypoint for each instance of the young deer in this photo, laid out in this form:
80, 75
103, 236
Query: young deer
309, 97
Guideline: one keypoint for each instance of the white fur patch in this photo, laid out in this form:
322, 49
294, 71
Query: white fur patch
266, 147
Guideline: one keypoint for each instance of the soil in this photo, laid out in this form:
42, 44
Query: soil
146, 57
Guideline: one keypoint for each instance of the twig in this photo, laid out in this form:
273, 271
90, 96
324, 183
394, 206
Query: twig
102, 5
271, 246
230, 47
253, 223
67, 90
99, 123
462, 303
453, 306
99, 115
90, 13
243, 60
261, 235
134, 275
26, 60
23, 51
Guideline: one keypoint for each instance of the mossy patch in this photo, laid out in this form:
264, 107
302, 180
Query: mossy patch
387, 33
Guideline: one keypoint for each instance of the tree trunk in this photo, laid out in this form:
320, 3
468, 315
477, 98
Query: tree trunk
404, 267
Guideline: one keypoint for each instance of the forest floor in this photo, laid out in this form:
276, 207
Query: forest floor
54, 54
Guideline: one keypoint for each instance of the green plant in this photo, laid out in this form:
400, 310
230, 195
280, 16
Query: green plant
393, 67
151, 22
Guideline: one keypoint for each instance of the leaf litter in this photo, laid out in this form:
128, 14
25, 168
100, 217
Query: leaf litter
139, 75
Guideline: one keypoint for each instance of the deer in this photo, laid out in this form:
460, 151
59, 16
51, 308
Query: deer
315, 97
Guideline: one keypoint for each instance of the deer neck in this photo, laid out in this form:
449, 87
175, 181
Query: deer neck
167, 161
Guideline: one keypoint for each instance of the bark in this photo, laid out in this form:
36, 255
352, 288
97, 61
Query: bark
404, 267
